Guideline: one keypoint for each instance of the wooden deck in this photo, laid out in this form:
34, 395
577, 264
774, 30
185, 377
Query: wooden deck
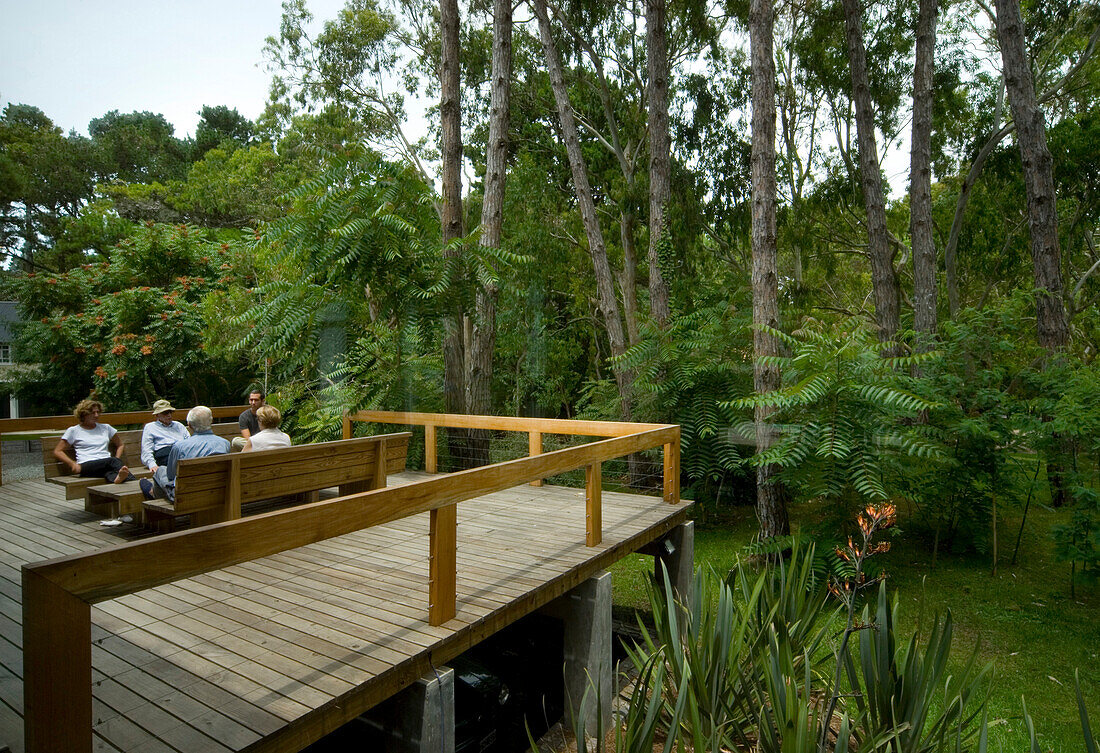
274, 653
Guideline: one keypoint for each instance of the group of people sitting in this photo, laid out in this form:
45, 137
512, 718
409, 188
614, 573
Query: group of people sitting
164, 442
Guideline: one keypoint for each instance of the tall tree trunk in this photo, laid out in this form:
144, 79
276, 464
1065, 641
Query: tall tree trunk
1052, 325
1042, 211
450, 115
659, 154
920, 181
605, 286
480, 379
884, 279
627, 221
771, 498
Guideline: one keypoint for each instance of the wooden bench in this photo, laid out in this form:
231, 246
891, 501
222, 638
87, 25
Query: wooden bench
76, 486
213, 489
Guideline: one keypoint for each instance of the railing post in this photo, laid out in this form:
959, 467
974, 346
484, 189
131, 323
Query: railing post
672, 472
593, 504
346, 432
442, 564
1, 460
57, 668
534, 444
429, 448
379, 481
233, 497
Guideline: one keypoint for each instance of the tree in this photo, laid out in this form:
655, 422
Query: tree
45, 177
884, 279
348, 65
139, 147
609, 306
218, 125
483, 342
771, 502
1046, 255
130, 327
920, 179
450, 115
659, 154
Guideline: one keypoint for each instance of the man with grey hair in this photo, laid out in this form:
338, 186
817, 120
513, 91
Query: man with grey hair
202, 442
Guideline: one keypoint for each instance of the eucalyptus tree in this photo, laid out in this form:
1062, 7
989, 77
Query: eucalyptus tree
597, 248
884, 279
920, 178
352, 63
1046, 255
1064, 73
771, 503
450, 118
659, 152
483, 340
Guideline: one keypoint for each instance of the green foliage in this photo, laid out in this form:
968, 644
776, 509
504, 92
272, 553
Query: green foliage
739, 670
357, 262
221, 125
688, 371
1078, 540
130, 328
843, 413
907, 689
45, 178
139, 147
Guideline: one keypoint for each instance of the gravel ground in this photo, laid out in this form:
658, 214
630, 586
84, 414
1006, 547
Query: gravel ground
19, 464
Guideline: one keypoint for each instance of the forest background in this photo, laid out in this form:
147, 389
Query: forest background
624, 211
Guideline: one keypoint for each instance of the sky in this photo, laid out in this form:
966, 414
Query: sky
76, 61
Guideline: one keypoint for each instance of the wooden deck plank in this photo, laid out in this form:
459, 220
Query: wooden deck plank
262, 655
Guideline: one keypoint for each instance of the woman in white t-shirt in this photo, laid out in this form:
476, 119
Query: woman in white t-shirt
92, 442
268, 437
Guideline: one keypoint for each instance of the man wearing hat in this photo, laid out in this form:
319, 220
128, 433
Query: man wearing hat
158, 436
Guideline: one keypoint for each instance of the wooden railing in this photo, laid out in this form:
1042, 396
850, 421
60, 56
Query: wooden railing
58, 593
30, 427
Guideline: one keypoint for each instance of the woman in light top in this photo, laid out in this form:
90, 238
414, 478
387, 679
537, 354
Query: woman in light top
93, 443
268, 437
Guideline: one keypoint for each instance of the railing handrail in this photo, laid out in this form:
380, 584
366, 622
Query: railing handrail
46, 423
506, 423
58, 593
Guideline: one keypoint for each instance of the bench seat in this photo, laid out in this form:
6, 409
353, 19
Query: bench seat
58, 473
214, 488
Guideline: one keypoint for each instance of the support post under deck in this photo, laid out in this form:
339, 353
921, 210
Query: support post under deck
421, 718
586, 615
677, 551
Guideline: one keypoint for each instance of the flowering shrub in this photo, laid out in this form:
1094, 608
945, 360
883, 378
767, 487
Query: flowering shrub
131, 328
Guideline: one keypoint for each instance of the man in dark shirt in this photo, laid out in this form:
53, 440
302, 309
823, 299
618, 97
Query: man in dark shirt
247, 421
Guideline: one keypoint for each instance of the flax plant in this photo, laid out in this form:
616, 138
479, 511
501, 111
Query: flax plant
874, 518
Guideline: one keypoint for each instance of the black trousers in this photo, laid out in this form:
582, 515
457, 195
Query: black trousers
105, 467
161, 455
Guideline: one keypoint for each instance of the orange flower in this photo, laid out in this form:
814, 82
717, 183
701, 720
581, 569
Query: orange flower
79, 350
146, 350
884, 515
118, 350
121, 374
99, 320
101, 372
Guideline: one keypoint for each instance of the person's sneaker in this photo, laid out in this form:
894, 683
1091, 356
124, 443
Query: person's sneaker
146, 488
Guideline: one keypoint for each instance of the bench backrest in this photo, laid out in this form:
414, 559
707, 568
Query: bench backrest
52, 467
202, 483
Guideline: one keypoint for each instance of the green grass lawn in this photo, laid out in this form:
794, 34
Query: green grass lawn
1023, 619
